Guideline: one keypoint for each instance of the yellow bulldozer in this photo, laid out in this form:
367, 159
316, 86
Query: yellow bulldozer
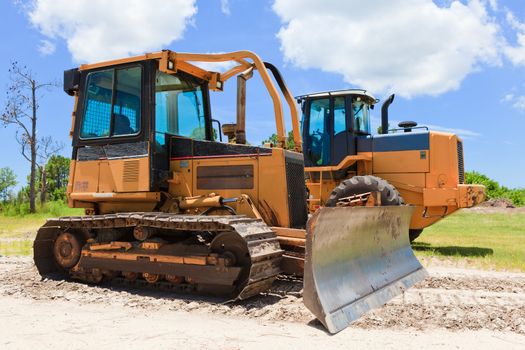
409, 164
168, 205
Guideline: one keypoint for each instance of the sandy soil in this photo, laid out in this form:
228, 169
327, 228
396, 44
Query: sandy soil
452, 308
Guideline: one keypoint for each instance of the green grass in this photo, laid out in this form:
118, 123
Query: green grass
18, 232
18, 247
467, 239
475, 239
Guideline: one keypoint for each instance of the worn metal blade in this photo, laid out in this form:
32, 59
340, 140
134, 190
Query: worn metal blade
357, 258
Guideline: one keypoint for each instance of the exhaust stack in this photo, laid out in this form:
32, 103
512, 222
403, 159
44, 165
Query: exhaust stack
384, 113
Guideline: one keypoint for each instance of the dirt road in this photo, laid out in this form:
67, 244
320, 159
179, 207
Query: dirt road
453, 308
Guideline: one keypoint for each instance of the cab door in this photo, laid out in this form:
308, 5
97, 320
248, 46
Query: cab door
317, 132
344, 142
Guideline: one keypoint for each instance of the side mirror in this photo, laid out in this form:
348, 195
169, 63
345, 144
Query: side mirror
219, 128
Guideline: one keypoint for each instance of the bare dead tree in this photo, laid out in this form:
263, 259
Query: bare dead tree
46, 148
23, 94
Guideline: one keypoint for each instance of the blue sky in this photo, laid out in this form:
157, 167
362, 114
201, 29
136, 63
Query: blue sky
457, 65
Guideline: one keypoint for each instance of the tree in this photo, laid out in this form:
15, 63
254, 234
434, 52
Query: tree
289, 140
7, 181
380, 129
47, 150
23, 94
57, 172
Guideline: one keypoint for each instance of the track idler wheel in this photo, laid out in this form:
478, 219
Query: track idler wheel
151, 277
231, 247
66, 250
235, 252
130, 276
174, 279
142, 233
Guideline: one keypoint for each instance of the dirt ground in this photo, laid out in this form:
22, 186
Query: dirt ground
453, 308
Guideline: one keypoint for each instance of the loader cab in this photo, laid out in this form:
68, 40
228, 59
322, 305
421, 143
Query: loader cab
331, 123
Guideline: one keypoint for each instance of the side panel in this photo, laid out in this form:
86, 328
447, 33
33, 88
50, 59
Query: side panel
229, 170
401, 162
443, 161
273, 197
126, 175
410, 141
86, 176
224, 176
112, 178
112, 168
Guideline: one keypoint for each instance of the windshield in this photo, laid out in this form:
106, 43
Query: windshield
361, 117
179, 107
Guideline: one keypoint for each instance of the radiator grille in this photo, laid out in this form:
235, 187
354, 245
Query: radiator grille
296, 189
131, 171
461, 165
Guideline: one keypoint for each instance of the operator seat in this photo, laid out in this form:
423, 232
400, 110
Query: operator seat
122, 125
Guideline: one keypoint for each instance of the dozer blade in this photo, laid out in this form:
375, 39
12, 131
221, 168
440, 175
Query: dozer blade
357, 258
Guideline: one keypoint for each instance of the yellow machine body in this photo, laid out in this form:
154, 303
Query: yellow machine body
168, 203
430, 178
425, 166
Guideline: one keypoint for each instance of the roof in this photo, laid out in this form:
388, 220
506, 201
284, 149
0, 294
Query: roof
371, 99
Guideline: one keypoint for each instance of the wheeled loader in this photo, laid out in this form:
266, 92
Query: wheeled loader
167, 205
412, 164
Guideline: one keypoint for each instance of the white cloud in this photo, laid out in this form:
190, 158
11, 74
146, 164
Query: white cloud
225, 7
411, 47
516, 53
463, 133
46, 47
493, 4
96, 30
508, 98
516, 101
215, 66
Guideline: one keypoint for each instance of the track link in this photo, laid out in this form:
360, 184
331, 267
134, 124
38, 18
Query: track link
262, 245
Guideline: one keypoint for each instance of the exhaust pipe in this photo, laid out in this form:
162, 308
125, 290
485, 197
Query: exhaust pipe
384, 113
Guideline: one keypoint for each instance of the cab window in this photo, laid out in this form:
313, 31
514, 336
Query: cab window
179, 107
339, 115
113, 103
361, 117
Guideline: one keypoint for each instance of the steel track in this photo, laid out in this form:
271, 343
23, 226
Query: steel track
263, 247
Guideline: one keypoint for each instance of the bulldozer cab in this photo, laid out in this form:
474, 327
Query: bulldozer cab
132, 110
331, 123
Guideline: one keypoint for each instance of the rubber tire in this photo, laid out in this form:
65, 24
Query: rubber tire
362, 184
413, 234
